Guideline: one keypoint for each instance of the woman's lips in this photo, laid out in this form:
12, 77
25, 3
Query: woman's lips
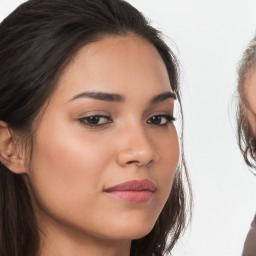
138, 191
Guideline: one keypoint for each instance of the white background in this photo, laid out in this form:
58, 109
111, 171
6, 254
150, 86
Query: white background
209, 38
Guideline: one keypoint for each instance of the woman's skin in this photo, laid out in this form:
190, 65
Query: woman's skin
250, 90
122, 84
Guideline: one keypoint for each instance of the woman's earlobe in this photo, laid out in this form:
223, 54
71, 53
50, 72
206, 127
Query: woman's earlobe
9, 154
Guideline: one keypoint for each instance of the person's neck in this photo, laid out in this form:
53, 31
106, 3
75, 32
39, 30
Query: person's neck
56, 242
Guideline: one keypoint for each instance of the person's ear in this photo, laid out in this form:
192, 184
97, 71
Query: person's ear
10, 156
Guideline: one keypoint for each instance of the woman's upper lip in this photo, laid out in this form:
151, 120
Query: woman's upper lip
133, 185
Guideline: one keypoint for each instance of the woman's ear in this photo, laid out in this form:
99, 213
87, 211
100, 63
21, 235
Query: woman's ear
10, 156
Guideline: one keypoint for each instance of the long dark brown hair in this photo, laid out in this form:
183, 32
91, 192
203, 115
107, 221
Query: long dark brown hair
246, 138
37, 41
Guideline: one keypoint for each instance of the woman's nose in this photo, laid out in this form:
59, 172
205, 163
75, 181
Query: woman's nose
136, 148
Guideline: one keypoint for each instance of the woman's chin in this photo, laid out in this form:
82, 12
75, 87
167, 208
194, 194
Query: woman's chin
132, 232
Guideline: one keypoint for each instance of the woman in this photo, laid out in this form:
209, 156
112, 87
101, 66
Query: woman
247, 124
88, 149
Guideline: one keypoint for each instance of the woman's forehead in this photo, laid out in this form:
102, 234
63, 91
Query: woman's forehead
113, 64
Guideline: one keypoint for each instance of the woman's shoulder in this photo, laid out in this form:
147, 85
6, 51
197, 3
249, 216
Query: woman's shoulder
250, 245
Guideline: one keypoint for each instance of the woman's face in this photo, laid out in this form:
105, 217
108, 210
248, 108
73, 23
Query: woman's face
106, 150
250, 92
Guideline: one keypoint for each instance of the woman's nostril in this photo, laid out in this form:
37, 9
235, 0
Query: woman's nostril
132, 162
137, 162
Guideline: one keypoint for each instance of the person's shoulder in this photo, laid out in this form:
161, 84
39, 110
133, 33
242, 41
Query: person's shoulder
253, 223
250, 245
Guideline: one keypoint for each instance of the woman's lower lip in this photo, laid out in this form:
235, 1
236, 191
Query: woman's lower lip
133, 196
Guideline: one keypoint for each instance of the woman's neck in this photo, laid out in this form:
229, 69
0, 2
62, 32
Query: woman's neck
57, 241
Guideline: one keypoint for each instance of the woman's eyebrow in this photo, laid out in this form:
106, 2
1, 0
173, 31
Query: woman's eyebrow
162, 97
113, 97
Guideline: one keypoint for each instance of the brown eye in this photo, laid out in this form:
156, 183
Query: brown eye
95, 120
161, 120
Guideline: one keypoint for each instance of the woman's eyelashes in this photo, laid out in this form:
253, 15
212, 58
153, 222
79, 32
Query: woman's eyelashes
161, 120
97, 121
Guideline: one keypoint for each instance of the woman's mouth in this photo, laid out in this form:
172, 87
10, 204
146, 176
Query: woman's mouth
137, 191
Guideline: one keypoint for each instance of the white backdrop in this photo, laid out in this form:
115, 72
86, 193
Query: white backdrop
209, 38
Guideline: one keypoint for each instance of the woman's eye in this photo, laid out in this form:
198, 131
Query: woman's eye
95, 120
162, 120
